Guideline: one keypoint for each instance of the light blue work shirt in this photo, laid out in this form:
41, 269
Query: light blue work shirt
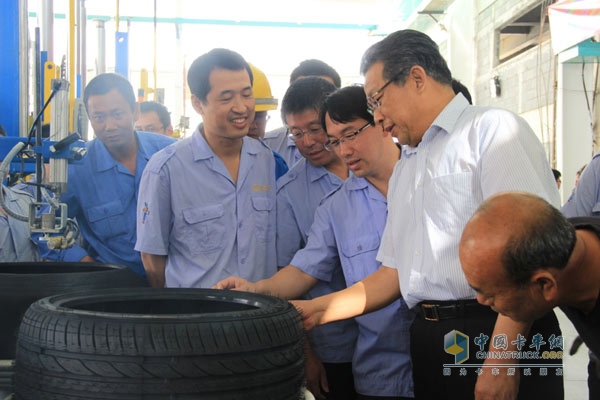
207, 225
347, 228
299, 193
585, 200
102, 196
280, 141
15, 242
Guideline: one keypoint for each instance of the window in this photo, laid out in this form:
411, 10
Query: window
524, 32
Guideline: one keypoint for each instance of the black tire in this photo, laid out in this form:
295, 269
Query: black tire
23, 283
6, 376
160, 344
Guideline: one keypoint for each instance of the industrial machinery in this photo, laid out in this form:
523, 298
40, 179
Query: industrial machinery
25, 155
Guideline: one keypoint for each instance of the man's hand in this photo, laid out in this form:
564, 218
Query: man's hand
236, 283
311, 315
497, 387
316, 378
501, 386
87, 259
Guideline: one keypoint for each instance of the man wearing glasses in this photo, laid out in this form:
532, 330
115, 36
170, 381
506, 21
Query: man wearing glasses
344, 237
454, 157
154, 117
278, 139
299, 193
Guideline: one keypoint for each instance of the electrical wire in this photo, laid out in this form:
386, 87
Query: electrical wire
55, 90
587, 100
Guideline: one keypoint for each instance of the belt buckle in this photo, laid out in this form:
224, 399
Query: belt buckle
434, 308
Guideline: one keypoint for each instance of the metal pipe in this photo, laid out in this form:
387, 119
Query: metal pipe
59, 129
117, 17
39, 162
81, 41
23, 69
155, 56
72, 65
47, 25
101, 58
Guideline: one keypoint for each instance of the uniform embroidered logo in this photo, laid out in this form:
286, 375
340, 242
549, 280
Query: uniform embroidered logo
146, 212
260, 188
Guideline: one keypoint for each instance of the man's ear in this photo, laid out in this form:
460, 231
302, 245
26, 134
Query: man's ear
546, 284
197, 104
136, 112
418, 75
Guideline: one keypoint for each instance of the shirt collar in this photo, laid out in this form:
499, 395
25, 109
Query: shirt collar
104, 160
315, 173
355, 183
444, 122
202, 151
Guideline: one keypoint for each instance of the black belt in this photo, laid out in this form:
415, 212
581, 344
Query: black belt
442, 310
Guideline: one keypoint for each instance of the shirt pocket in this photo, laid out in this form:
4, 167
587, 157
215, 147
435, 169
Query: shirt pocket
360, 256
107, 220
451, 200
262, 208
203, 229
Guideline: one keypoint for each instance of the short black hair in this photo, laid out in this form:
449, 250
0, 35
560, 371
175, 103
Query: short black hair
556, 173
198, 75
546, 240
402, 50
458, 87
163, 113
104, 83
345, 105
314, 67
305, 94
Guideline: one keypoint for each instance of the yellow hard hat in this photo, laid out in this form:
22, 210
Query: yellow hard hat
263, 99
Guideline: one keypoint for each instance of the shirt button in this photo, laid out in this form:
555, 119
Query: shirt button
240, 225
417, 253
243, 261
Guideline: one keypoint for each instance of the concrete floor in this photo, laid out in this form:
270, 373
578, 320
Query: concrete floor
575, 366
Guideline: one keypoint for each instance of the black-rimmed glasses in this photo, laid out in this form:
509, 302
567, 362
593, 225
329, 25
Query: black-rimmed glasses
373, 101
331, 145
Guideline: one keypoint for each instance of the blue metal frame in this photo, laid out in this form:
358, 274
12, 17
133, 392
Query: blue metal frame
9, 67
122, 54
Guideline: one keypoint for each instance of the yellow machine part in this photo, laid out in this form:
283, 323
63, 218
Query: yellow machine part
51, 71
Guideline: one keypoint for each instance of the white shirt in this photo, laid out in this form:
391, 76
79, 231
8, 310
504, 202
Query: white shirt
467, 155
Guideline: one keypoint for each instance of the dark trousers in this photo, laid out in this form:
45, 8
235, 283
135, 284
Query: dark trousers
362, 397
341, 381
594, 377
429, 356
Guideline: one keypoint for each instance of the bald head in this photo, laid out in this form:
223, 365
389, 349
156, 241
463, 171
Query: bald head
521, 231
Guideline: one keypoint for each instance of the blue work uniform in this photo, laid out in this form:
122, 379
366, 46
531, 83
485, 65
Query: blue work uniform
280, 141
209, 226
15, 242
347, 229
585, 200
299, 193
102, 196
